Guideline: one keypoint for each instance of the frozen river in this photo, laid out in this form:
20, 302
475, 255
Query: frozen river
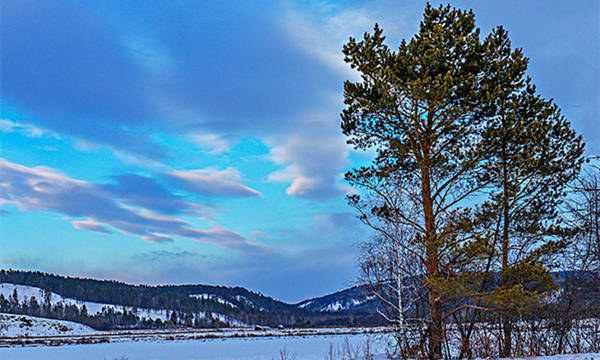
306, 348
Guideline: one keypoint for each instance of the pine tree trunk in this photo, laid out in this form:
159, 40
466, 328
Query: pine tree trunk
435, 309
507, 330
435, 331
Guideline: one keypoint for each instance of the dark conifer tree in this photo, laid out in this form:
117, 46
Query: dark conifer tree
533, 155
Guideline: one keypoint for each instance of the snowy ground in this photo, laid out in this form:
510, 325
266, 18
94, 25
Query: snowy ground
22, 331
306, 348
25, 326
92, 337
25, 292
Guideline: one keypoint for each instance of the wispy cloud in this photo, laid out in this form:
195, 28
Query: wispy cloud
323, 36
90, 225
322, 30
103, 206
29, 130
212, 182
161, 255
147, 193
150, 54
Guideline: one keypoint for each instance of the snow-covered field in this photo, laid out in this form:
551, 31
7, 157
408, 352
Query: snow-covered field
306, 348
25, 292
587, 356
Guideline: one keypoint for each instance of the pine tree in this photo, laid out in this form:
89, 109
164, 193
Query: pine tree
83, 313
534, 155
14, 299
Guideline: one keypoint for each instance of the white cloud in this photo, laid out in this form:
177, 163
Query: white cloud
9, 126
90, 225
211, 181
314, 158
215, 144
315, 154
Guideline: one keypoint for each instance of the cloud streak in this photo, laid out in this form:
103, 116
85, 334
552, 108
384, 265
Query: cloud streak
28, 130
90, 225
212, 182
147, 193
104, 206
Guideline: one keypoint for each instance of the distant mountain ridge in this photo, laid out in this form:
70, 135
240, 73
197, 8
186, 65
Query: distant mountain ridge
355, 298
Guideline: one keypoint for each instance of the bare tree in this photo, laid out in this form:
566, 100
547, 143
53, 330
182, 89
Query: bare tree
583, 215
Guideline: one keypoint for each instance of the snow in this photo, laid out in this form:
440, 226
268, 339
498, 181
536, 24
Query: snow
195, 334
213, 297
21, 325
336, 306
305, 305
583, 356
248, 302
244, 299
339, 305
24, 292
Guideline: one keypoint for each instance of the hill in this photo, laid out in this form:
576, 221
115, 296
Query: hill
123, 305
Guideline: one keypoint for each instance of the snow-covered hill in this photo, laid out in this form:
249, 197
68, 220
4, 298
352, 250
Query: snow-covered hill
25, 293
354, 298
22, 326
214, 297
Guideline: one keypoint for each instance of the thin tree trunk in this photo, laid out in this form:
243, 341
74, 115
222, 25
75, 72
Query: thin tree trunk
506, 324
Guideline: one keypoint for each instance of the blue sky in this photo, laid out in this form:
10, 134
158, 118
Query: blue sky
199, 142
